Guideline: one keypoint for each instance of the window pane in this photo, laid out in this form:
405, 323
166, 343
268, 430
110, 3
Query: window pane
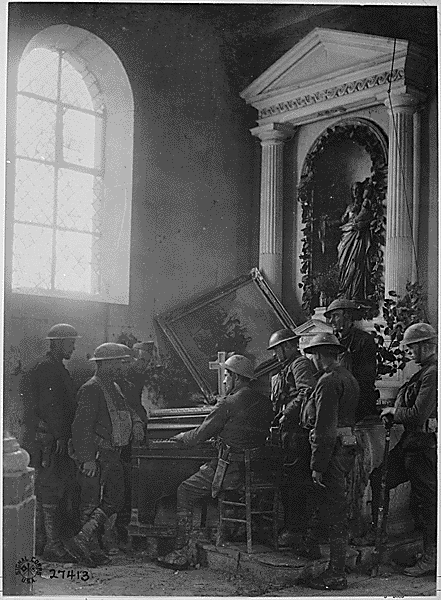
75, 263
34, 192
38, 73
79, 201
32, 262
35, 128
82, 139
73, 89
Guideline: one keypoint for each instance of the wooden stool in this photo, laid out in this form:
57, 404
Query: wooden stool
254, 492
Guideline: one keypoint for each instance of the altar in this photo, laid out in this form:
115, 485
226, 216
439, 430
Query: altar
241, 315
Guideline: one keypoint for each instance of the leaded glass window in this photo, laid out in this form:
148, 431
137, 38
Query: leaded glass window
58, 177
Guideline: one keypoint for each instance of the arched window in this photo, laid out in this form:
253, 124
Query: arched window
72, 173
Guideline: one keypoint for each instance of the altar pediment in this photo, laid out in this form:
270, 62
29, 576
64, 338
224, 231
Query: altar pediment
330, 69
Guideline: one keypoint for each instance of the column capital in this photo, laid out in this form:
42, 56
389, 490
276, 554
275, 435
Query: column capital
273, 133
15, 458
404, 102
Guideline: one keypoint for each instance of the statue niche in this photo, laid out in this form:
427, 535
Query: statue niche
342, 192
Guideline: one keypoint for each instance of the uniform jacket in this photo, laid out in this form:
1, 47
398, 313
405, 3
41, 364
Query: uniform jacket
92, 420
417, 400
335, 399
242, 419
297, 375
48, 396
360, 359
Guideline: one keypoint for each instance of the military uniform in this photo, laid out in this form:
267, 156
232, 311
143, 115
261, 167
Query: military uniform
131, 386
414, 458
240, 420
288, 388
48, 396
96, 435
331, 409
360, 359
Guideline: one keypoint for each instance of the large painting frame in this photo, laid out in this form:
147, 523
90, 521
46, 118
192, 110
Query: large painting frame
247, 295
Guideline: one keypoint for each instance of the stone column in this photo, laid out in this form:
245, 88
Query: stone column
20, 567
272, 137
401, 246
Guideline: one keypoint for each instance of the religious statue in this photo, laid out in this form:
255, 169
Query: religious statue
355, 245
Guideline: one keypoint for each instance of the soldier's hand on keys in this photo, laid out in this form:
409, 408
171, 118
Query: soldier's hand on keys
178, 437
61, 447
89, 468
138, 432
317, 478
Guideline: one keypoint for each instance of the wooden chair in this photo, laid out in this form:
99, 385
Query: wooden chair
259, 495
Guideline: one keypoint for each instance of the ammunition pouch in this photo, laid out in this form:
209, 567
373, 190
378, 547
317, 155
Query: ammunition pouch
347, 437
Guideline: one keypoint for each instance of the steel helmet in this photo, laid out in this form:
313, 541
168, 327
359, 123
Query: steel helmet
240, 365
283, 335
341, 304
323, 339
419, 332
62, 331
111, 351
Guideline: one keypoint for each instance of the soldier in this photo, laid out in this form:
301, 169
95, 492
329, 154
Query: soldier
48, 396
414, 458
132, 385
241, 420
288, 388
331, 413
104, 424
360, 357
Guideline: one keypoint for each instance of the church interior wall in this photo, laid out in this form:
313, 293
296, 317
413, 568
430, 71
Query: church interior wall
195, 212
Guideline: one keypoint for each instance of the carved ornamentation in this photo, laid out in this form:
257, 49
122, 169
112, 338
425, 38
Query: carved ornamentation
337, 91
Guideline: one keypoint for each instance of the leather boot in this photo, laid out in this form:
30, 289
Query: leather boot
426, 564
334, 578
97, 554
40, 533
81, 545
54, 550
180, 558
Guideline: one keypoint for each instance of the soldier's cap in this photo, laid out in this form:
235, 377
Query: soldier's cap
342, 304
146, 346
111, 351
323, 340
281, 336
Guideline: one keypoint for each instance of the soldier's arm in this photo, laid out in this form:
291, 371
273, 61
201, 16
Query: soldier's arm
211, 426
304, 375
83, 427
50, 401
324, 434
367, 365
425, 403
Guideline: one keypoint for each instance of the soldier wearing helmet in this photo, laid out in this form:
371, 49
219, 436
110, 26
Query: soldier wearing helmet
132, 385
48, 395
239, 420
360, 357
330, 415
295, 380
414, 458
104, 425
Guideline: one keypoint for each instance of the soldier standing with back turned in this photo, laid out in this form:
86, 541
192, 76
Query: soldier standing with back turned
295, 380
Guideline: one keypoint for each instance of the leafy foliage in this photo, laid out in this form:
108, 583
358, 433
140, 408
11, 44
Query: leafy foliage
326, 283
363, 135
398, 314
